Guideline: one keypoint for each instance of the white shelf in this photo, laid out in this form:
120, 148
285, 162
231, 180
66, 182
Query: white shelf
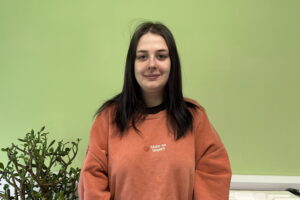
257, 182
261, 195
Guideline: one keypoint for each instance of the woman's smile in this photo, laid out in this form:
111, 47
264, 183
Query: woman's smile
152, 77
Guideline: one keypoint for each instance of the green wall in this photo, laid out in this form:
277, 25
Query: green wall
59, 60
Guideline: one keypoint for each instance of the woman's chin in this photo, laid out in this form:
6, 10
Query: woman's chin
152, 89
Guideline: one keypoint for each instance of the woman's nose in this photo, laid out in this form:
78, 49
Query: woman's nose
152, 62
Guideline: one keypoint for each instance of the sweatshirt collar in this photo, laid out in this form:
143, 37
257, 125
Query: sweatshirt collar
155, 109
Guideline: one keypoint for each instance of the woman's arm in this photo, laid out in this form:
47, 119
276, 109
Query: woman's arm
213, 172
93, 183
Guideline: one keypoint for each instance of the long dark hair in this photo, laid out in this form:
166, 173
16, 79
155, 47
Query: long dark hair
129, 104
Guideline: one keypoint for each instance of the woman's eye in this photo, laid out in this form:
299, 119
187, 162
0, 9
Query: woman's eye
141, 57
162, 56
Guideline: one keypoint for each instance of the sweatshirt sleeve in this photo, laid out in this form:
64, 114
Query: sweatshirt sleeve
93, 182
213, 172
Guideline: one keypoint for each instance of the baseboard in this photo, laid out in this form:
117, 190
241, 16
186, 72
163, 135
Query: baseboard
255, 182
259, 182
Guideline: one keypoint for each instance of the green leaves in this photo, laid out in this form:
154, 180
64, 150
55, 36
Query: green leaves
31, 168
4, 149
43, 128
22, 140
53, 141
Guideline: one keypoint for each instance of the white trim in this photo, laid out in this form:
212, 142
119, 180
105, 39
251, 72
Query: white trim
259, 182
253, 182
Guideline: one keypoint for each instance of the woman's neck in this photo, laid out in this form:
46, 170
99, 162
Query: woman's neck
152, 99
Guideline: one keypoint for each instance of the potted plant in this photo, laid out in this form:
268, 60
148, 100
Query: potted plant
38, 169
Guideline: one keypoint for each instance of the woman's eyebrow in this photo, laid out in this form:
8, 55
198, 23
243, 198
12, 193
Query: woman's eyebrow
142, 51
162, 50
159, 50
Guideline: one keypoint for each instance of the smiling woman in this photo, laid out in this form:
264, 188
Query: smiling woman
152, 67
149, 142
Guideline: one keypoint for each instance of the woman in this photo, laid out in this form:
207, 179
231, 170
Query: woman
148, 142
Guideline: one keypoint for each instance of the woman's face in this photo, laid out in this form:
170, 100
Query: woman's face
152, 63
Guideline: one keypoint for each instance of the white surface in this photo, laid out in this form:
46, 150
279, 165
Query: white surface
2, 182
255, 182
261, 195
257, 187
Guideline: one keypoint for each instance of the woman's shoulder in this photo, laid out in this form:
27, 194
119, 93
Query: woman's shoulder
107, 110
193, 103
108, 106
196, 109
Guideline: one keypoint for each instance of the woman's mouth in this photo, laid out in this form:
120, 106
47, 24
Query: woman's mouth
152, 76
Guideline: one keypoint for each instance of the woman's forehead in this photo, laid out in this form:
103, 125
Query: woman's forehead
150, 41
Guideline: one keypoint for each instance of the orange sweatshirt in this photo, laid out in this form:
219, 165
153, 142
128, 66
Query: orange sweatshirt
153, 166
